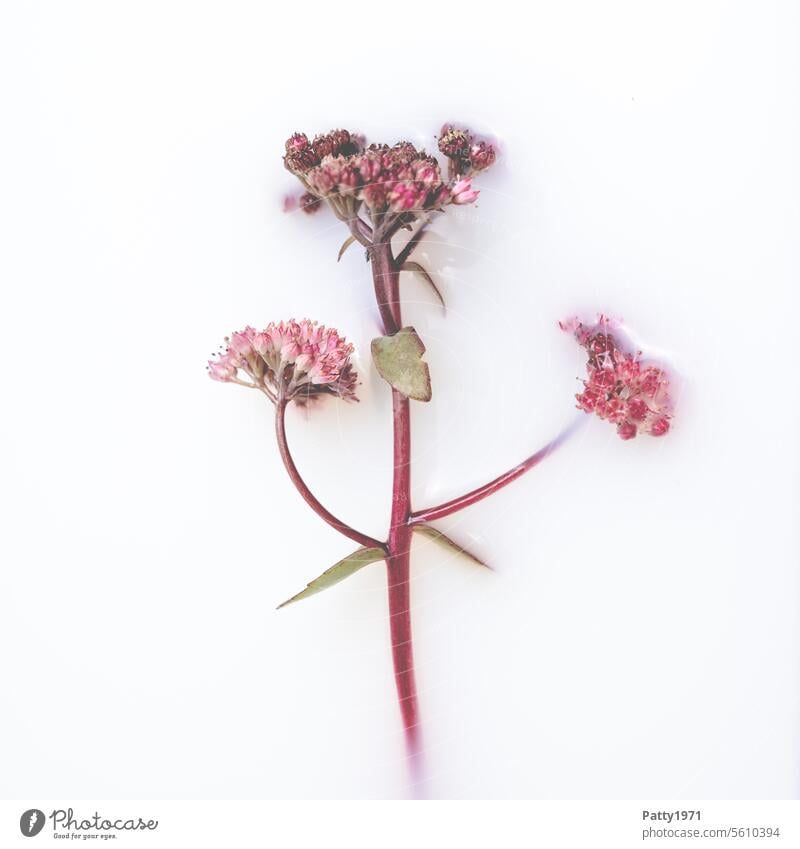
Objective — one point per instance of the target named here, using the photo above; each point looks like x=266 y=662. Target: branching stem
x=302 y=487
x=454 y=505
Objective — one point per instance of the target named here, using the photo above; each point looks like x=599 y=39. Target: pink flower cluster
x=467 y=155
x=288 y=360
x=621 y=388
x=400 y=179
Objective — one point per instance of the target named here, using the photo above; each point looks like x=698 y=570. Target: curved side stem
x=302 y=488
x=476 y=495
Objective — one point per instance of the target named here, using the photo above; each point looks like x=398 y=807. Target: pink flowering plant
x=381 y=194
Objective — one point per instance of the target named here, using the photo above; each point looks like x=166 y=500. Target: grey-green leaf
x=416 y=268
x=360 y=558
x=399 y=362
x=454 y=547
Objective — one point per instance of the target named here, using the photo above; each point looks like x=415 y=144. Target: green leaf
x=450 y=545
x=399 y=362
x=347 y=242
x=416 y=268
x=360 y=558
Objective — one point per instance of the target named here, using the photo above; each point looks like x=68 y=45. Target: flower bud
x=455 y=144
x=482 y=156
x=310 y=204
x=296 y=142
x=462 y=192
x=300 y=156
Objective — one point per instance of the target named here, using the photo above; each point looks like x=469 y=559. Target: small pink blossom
x=292 y=360
x=620 y=388
x=399 y=178
x=462 y=192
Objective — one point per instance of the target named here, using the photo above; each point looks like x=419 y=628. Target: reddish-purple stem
x=387 y=289
x=454 y=505
x=399 y=579
x=302 y=488
x=386 y=278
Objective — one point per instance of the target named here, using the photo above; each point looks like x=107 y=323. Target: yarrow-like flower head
x=401 y=179
x=396 y=179
x=291 y=360
x=620 y=387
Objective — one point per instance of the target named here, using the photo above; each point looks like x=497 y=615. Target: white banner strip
x=401 y=825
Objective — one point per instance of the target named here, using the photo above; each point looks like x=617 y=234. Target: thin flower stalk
x=303 y=489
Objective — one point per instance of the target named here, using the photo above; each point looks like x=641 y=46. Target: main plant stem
x=399 y=578
x=387 y=290
x=386 y=278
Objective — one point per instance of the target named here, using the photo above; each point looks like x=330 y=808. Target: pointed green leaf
x=347 y=242
x=416 y=268
x=399 y=362
x=454 y=547
x=338 y=572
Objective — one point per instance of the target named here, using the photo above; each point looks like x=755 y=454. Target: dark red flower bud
x=300 y=157
x=334 y=143
x=455 y=144
x=323 y=146
x=482 y=156
x=310 y=203
x=296 y=142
